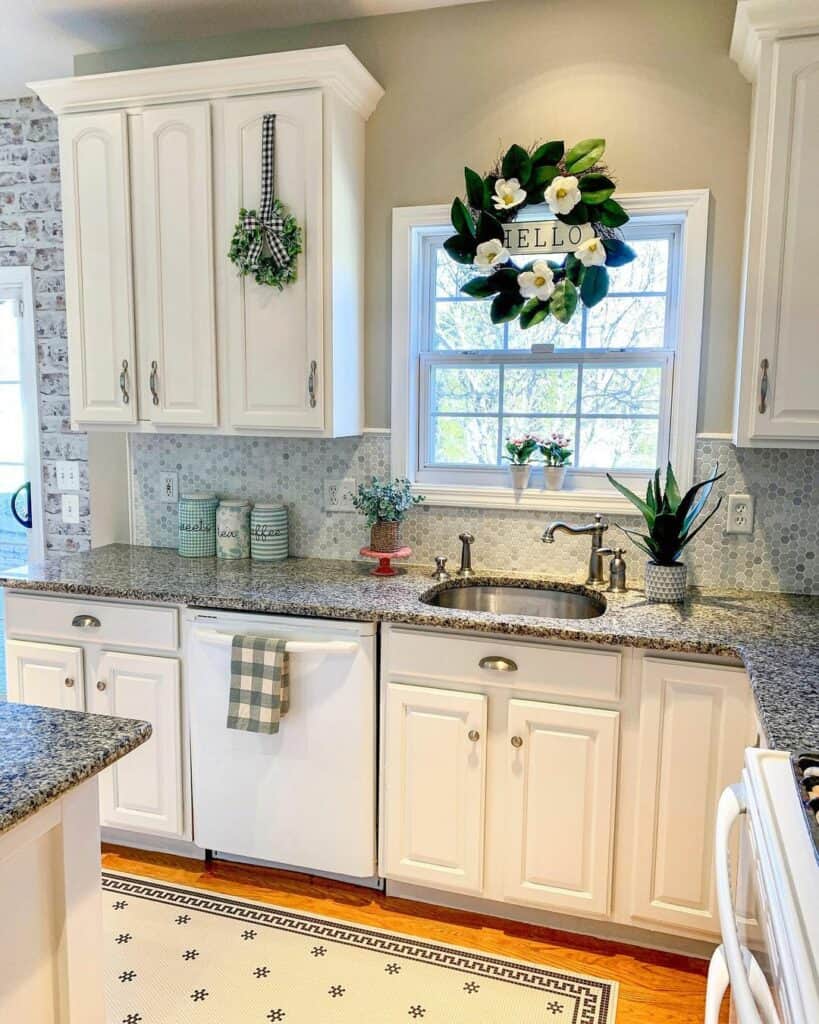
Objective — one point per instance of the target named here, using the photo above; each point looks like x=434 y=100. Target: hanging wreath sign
x=584 y=224
x=266 y=243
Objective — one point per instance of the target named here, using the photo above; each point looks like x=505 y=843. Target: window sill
x=533 y=499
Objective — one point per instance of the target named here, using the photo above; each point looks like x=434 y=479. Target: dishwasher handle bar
x=218 y=639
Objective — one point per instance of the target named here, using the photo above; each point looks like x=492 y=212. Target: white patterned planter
x=665 y=583
x=554 y=477
x=520 y=476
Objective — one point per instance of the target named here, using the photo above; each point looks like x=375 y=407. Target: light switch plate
x=68 y=475
x=169 y=487
x=740 y=514
x=71 y=508
x=338 y=495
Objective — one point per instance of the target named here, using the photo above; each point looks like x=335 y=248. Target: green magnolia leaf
x=517 y=164
x=548 y=153
x=533 y=313
x=648 y=513
x=617 y=252
x=595 y=285
x=573 y=268
x=672 y=491
x=488 y=227
x=476 y=190
x=611 y=214
x=579 y=215
x=595 y=188
x=584 y=155
x=563 y=302
x=462 y=219
x=506 y=306
x=461 y=248
x=481 y=287
x=541 y=178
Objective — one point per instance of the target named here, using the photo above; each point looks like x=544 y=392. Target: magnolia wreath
x=578 y=191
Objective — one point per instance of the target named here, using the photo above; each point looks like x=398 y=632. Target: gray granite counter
x=44 y=752
x=776 y=636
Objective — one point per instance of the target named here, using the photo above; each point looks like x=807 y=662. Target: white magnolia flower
x=537 y=283
x=508 y=193
x=491 y=253
x=563 y=194
x=591 y=253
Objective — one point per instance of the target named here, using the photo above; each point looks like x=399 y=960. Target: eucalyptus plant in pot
x=385 y=505
x=669 y=520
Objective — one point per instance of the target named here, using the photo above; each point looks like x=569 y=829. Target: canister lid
x=234 y=503
x=199 y=496
x=261 y=506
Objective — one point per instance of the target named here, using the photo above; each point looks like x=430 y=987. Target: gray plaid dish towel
x=259 y=683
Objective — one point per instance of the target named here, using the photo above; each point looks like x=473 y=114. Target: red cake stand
x=384 y=568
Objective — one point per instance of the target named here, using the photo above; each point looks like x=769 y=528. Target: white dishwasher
x=305 y=797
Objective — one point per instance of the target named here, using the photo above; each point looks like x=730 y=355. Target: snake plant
x=669 y=516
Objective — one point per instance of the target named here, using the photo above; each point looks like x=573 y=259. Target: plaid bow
x=272 y=225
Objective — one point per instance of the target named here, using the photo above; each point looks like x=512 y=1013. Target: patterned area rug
x=183 y=956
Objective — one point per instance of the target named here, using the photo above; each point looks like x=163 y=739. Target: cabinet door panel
x=174 y=270
x=46 y=674
x=695 y=722
x=271 y=338
x=144 y=790
x=434 y=786
x=99 y=301
x=562 y=771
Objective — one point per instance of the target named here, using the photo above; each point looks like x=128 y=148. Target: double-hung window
x=619 y=379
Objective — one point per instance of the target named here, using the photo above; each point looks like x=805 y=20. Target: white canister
x=268 y=533
x=233 y=529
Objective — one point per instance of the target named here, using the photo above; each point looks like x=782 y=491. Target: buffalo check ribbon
x=259 y=683
x=271 y=225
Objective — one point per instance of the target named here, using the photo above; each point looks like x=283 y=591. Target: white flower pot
x=520 y=476
x=554 y=477
x=665 y=583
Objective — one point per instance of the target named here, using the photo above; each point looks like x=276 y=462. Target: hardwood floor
x=655 y=988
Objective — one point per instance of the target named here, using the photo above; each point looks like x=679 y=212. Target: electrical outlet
x=68 y=475
x=740 y=514
x=338 y=495
x=71 y=508
x=169 y=487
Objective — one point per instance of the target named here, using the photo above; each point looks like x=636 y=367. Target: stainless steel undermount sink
x=509 y=599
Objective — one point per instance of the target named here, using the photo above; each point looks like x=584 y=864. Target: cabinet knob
x=498 y=664
x=517 y=742
x=474 y=735
x=101 y=685
x=69 y=682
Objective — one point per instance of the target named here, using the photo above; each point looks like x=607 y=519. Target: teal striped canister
x=268 y=533
x=233 y=529
x=197 y=525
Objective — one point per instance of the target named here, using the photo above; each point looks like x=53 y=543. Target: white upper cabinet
x=777 y=400
x=156 y=165
x=99 y=302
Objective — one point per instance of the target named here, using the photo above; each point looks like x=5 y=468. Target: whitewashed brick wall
x=31 y=235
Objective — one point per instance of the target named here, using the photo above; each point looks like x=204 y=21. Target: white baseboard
x=155 y=844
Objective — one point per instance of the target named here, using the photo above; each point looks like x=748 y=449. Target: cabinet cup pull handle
x=517 y=742
x=152 y=382
x=123 y=382
x=474 y=735
x=101 y=685
x=69 y=682
x=86 y=621
x=498 y=664
x=763 y=386
x=311 y=383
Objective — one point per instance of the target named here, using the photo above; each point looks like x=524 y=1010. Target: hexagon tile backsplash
x=781 y=554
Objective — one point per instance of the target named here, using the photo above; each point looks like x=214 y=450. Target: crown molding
x=760 y=20
x=330 y=67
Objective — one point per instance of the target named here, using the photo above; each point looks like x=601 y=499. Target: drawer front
x=565 y=672
x=65 y=618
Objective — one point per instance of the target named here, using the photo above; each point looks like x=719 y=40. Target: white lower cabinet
x=435 y=784
x=561 y=777
x=46 y=674
x=143 y=790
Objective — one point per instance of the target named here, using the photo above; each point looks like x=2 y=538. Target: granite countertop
x=776 y=636
x=44 y=752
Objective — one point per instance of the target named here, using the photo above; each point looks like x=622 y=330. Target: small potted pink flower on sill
x=519 y=452
x=556 y=453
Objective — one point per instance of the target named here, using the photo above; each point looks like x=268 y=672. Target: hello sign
x=524 y=238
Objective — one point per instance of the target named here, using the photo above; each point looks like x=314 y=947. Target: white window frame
x=411 y=225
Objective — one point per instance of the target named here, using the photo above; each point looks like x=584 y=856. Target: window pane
x=548 y=332
x=626 y=390
x=647 y=273
x=631 y=444
x=9 y=357
x=11 y=424
x=463 y=439
x=450 y=276
x=465 y=389
x=465 y=325
x=627 y=323
x=540 y=389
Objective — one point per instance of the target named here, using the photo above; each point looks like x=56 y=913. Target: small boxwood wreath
x=578 y=191
x=267 y=269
